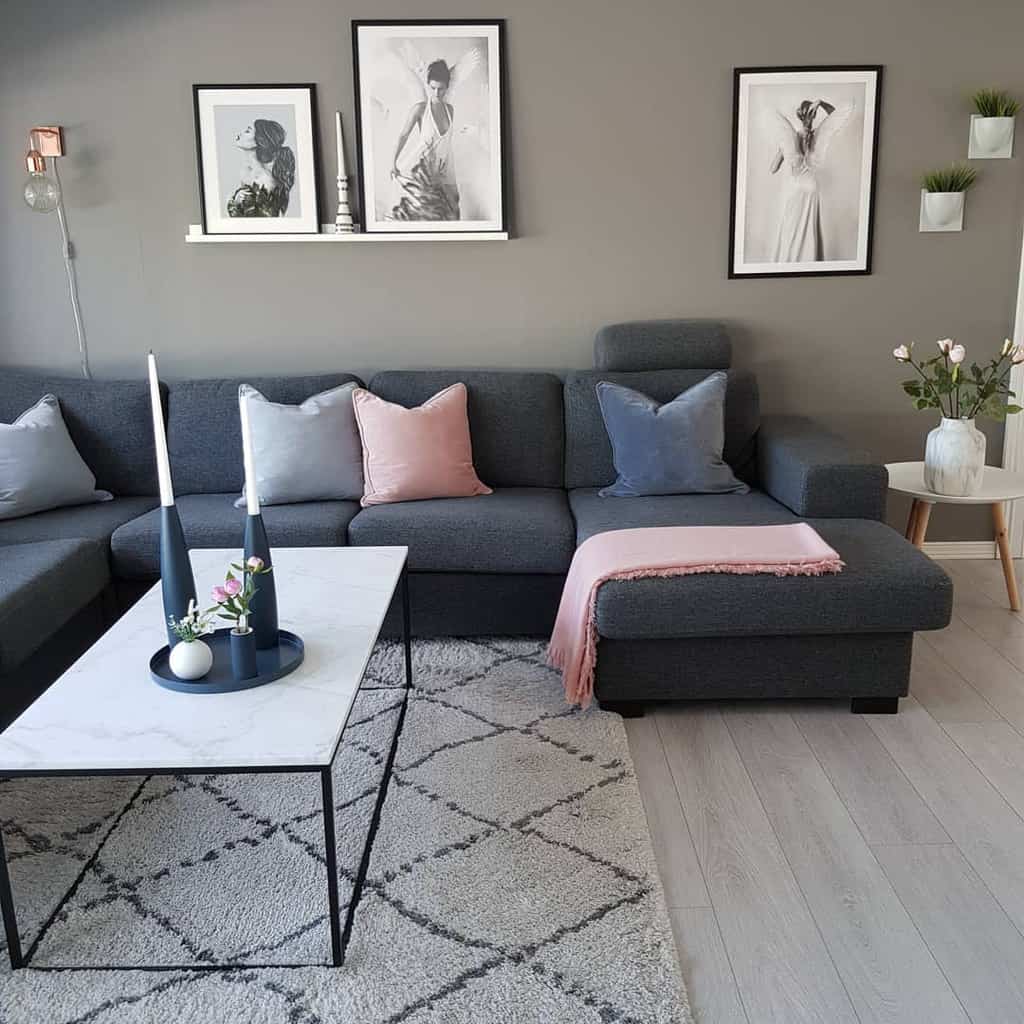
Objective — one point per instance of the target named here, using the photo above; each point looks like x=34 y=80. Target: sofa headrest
x=663 y=345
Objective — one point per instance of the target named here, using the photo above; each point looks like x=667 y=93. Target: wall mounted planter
x=942 y=211
x=991 y=138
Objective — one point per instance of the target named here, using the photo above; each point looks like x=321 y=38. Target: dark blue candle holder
x=263 y=611
x=176 y=581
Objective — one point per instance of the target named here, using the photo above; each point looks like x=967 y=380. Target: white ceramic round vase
x=191 y=659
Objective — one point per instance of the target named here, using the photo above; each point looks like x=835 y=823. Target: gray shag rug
x=511 y=879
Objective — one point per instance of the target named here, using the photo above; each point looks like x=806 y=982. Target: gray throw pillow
x=307 y=452
x=675 y=448
x=40 y=467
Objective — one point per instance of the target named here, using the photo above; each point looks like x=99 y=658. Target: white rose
x=945 y=344
x=901 y=352
x=957 y=353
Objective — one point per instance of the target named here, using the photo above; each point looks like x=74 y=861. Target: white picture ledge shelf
x=195 y=234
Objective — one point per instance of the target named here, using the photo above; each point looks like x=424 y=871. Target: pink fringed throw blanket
x=791 y=550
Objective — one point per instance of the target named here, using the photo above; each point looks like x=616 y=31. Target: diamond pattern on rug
x=512 y=877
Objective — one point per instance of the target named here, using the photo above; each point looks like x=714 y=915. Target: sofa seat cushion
x=513 y=530
x=212 y=521
x=42 y=586
x=887 y=586
x=93 y=522
x=595 y=514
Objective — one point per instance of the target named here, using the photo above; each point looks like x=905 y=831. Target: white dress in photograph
x=803 y=157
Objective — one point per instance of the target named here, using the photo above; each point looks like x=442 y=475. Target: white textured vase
x=954 y=458
x=191 y=660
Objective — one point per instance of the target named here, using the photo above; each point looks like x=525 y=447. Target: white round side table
x=998 y=487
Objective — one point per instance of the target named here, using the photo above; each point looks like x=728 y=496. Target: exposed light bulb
x=41 y=192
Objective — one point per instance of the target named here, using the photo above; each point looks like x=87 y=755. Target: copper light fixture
x=42 y=193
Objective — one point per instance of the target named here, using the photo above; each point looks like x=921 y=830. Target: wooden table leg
x=1003 y=542
x=912 y=520
x=924 y=511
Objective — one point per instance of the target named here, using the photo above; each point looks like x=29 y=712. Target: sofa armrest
x=816 y=473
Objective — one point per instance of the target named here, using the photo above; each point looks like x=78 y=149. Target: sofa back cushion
x=663 y=345
x=588 y=452
x=204 y=433
x=515 y=419
x=110 y=422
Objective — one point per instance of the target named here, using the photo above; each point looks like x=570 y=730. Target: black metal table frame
x=339 y=935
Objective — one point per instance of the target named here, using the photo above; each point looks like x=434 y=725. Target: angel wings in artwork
x=422 y=160
x=802 y=150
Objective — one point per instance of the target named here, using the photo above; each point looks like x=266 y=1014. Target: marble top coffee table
x=105 y=716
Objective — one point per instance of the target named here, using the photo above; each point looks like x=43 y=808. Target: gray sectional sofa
x=495 y=564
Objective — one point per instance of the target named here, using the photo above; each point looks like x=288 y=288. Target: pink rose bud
x=945 y=344
x=254 y=564
x=232 y=587
x=219 y=594
x=957 y=353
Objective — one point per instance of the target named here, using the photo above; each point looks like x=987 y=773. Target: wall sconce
x=43 y=194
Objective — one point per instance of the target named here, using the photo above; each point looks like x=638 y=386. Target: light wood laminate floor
x=827 y=867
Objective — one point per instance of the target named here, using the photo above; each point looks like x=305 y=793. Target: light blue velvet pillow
x=675 y=448
x=40 y=467
x=307 y=452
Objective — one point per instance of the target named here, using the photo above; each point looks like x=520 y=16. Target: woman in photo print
x=802 y=152
x=268 y=172
x=423 y=160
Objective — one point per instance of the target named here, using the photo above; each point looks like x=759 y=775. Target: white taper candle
x=163 y=462
x=252 y=496
x=341 y=146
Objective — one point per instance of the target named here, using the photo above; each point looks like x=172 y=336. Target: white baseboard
x=961 y=549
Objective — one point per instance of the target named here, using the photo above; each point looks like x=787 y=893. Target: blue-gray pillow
x=307 y=452
x=675 y=448
x=40 y=467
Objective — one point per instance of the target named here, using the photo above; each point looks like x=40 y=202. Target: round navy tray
x=271 y=664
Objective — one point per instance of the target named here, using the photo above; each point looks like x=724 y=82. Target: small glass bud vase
x=191 y=659
x=243 y=653
x=954 y=458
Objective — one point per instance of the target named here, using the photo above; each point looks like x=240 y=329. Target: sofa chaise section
x=721 y=636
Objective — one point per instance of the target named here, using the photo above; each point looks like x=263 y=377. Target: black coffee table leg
x=330 y=850
x=406 y=629
x=7 y=907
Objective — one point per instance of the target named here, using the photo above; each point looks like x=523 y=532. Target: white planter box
x=991 y=138
x=942 y=211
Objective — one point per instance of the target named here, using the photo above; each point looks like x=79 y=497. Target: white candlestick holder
x=343 y=224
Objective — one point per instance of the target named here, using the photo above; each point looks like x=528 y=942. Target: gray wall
x=619 y=148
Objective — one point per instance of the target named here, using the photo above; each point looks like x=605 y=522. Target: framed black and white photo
x=805 y=143
x=257 y=154
x=430 y=120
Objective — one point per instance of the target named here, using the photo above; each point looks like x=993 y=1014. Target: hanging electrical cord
x=69 y=266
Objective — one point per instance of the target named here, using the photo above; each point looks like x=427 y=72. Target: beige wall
x=619 y=147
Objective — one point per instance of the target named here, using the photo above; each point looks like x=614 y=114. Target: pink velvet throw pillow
x=409 y=454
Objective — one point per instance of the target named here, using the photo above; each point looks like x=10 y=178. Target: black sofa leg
x=626 y=708
x=875 y=705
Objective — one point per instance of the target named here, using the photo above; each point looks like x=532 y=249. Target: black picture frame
x=366 y=199
x=871 y=133
x=314 y=182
